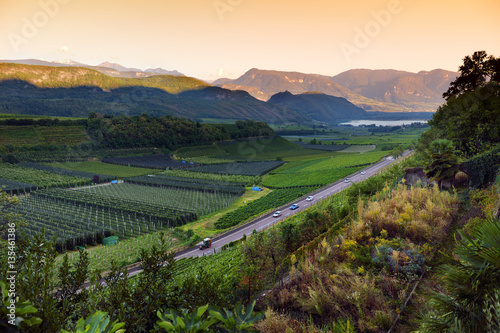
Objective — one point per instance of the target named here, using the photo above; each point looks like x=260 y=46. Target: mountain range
x=76 y=91
x=108 y=68
x=372 y=90
x=67 y=89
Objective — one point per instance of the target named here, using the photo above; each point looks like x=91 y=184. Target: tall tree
x=474 y=72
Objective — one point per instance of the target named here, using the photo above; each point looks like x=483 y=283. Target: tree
x=397 y=152
x=474 y=72
x=471 y=120
x=444 y=162
x=95 y=179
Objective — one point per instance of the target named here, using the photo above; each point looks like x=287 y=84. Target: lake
x=382 y=122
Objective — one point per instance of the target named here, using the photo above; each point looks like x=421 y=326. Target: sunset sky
x=224 y=38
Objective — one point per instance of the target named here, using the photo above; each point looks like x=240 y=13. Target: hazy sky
x=212 y=38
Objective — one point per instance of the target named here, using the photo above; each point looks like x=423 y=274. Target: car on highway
x=363 y=172
x=347 y=180
x=277 y=213
x=294 y=206
x=309 y=198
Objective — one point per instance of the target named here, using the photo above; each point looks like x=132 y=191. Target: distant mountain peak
x=65 y=62
x=118 y=67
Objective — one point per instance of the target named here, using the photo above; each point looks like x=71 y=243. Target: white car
x=363 y=172
x=309 y=198
x=277 y=214
x=347 y=180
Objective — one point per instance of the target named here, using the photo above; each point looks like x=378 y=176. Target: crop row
x=187 y=183
x=247 y=168
x=313 y=178
x=15 y=187
x=73 y=223
x=38 y=178
x=176 y=198
x=67 y=172
x=79 y=153
x=247 y=180
x=273 y=200
x=157 y=161
x=125 y=205
x=339 y=160
x=326 y=147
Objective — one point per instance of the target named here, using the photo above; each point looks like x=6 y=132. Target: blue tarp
x=256 y=188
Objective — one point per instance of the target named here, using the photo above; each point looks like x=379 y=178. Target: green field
x=198 y=201
x=320 y=171
x=32 y=135
x=104 y=168
x=38 y=177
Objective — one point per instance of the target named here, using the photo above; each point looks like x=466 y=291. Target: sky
x=209 y=39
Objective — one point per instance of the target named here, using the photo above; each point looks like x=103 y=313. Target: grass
x=104 y=168
x=205 y=226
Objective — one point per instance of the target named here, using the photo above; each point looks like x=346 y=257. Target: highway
x=268 y=220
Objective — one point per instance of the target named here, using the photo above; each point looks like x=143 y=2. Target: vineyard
x=15 y=187
x=273 y=200
x=120 y=171
x=194 y=184
x=66 y=172
x=247 y=180
x=318 y=172
x=126 y=252
x=78 y=153
x=247 y=168
x=176 y=198
x=38 y=178
x=32 y=135
x=72 y=222
x=327 y=147
x=157 y=161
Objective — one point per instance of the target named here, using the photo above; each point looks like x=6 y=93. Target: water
x=382 y=122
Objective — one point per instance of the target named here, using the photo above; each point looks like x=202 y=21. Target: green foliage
x=189 y=183
x=471 y=284
x=168 y=131
x=7 y=217
x=483 y=169
x=471 y=120
x=23 y=312
x=273 y=200
x=319 y=171
x=97 y=323
x=185 y=322
x=474 y=72
x=444 y=162
x=241 y=320
x=39 y=178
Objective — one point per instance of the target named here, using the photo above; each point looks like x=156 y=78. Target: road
x=268 y=220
